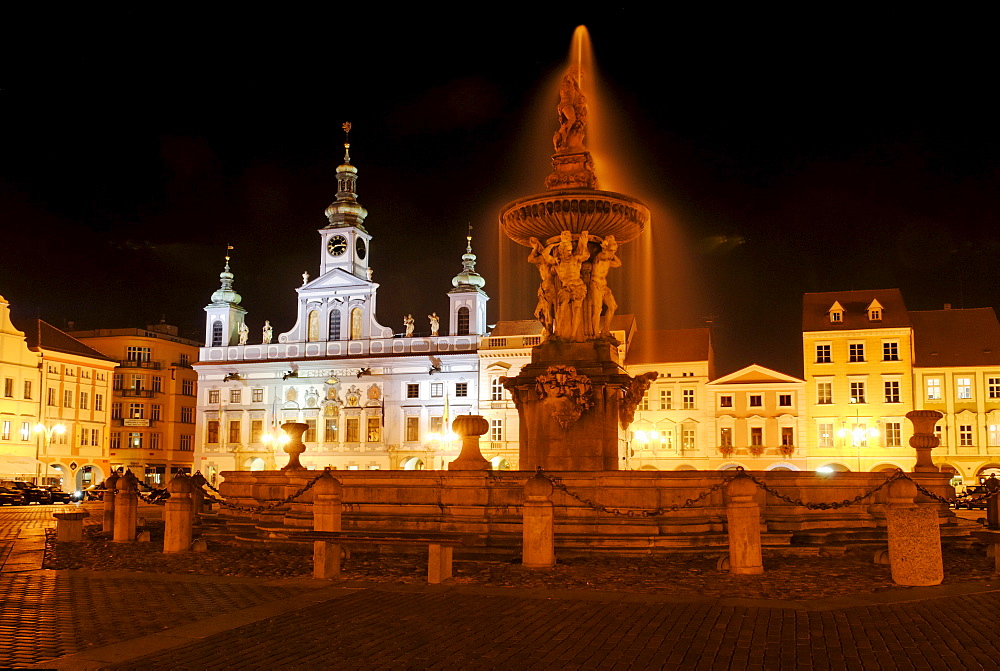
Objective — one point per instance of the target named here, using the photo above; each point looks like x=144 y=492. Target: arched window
x=217 y=333
x=313 y=325
x=334 y=324
x=355 y=323
x=463 y=321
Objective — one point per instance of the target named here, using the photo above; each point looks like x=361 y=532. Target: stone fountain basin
x=601 y=213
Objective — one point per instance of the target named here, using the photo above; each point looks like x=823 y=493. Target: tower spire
x=346 y=211
x=225 y=293
x=468 y=278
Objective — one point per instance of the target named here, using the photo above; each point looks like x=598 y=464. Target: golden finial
x=468 y=239
x=347 y=141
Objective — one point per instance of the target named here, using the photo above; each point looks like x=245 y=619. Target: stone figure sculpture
x=572 y=108
x=598 y=292
x=244 y=333
x=267 y=332
x=435 y=323
x=547 y=288
x=408 y=325
x=572 y=290
x=305 y=278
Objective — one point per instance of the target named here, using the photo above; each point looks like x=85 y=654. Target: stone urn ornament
x=294 y=447
x=923 y=439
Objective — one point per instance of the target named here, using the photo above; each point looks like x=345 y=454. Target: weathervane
x=347 y=141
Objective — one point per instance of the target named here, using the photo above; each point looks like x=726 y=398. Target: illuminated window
x=860 y=434
x=258 y=396
x=824 y=393
x=214 y=397
x=725 y=437
x=856 y=352
x=756 y=436
x=412 y=429
x=437 y=389
x=858 y=392
x=725 y=401
x=413 y=391
x=994 y=435
x=496 y=430
x=933 y=389
x=256 y=430
x=26 y=431
x=136 y=410
x=836 y=316
x=892 y=391
x=963 y=387
x=893 y=434
x=688 y=399
x=332 y=430
x=666 y=399
x=825 y=435
x=135 y=440
x=688 y=438
x=8 y=387
x=310 y=434
x=890 y=350
x=5 y=430
x=496 y=389
x=436 y=423
x=374 y=429
x=823 y=353
x=756 y=400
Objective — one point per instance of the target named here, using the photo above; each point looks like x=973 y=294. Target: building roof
x=755 y=374
x=521 y=327
x=42 y=335
x=670 y=346
x=816 y=310
x=956 y=337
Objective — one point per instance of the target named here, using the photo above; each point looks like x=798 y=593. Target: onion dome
x=346 y=211
x=225 y=293
x=468 y=278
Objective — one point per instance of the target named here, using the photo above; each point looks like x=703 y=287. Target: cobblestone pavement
x=109 y=619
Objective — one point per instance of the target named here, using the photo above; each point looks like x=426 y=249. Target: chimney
x=947 y=306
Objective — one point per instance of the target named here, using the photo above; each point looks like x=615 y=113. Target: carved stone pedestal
x=571 y=400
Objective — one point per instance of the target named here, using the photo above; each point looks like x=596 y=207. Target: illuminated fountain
x=574 y=398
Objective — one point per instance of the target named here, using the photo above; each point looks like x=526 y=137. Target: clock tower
x=345 y=244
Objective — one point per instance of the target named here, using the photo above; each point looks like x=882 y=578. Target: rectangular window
x=496 y=389
x=95 y=436
x=688 y=439
x=893 y=434
x=187 y=443
x=413 y=391
x=666 y=399
x=825 y=435
x=185 y=360
x=353 y=426
x=688 y=397
x=461 y=389
x=137 y=354
x=965 y=435
x=725 y=437
x=154 y=441
x=725 y=401
x=157 y=384
x=412 y=429
x=213 y=431
x=933 y=389
x=67 y=398
x=26 y=431
x=824 y=393
x=235 y=395
x=374 y=429
x=84 y=436
x=187 y=387
x=5 y=430
x=51 y=397
x=756 y=400
x=135 y=440
x=437 y=389
x=187 y=415
x=787 y=436
x=785 y=400
x=115 y=442
x=823 y=353
x=214 y=397
x=84 y=400
x=8 y=387
x=939 y=434
x=136 y=410
x=993 y=385
x=27 y=390
x=756 y=436
x=234 y=431
x=99 y=402
x=994 y=435
x=331 y=430
x=116 y=383
x=858 y=392
x=137 y=382
x=856 y=352
x=116 y=411
x=644 y=401
x=963 y=387
x=258 y=395
x=892 y=391
x=156 y=412
x=496 y=430
x=859 y=433
x=256 y=430
x=890 y=350
x=310 y=435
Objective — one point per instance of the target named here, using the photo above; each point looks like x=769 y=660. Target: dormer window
x=875 y=311
x=836 y=313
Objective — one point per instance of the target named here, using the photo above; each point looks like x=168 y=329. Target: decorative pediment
x=874 y=311
x=338 y=278
x=753 y=374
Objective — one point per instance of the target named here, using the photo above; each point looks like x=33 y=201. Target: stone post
x=178 y=512
x=126 y=508
x=743 y=522
x=923 y=439
x=198 y=483
x=470 y=427
x=914 y=538
x=538 y=548
x=992 y=505
x=294 y=447
x=69 y=526
x=110 y=485
x=326 y=506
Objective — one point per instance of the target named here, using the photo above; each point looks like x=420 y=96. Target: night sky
x=781 y=153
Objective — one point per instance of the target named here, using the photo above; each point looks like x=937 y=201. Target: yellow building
x=19 y=403
x=154 y=399
x=857 y=352
x=74 y=393
x=957 y=372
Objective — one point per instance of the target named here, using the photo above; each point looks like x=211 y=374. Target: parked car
x=971 y=492
x=32 y=493
x=58 y=495
x=91 y=493
x=11 y=497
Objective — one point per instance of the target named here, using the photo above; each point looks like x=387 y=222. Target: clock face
x=336 y=245
x=360 y=247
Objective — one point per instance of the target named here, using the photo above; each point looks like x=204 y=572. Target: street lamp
x=279 y=440
x=40 y=429
x=443 y=440
x=859 y=436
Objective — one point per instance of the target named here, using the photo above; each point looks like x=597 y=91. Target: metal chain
x=826 y=506
x=557 y=484
x=276 y=504
x=950 y=501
